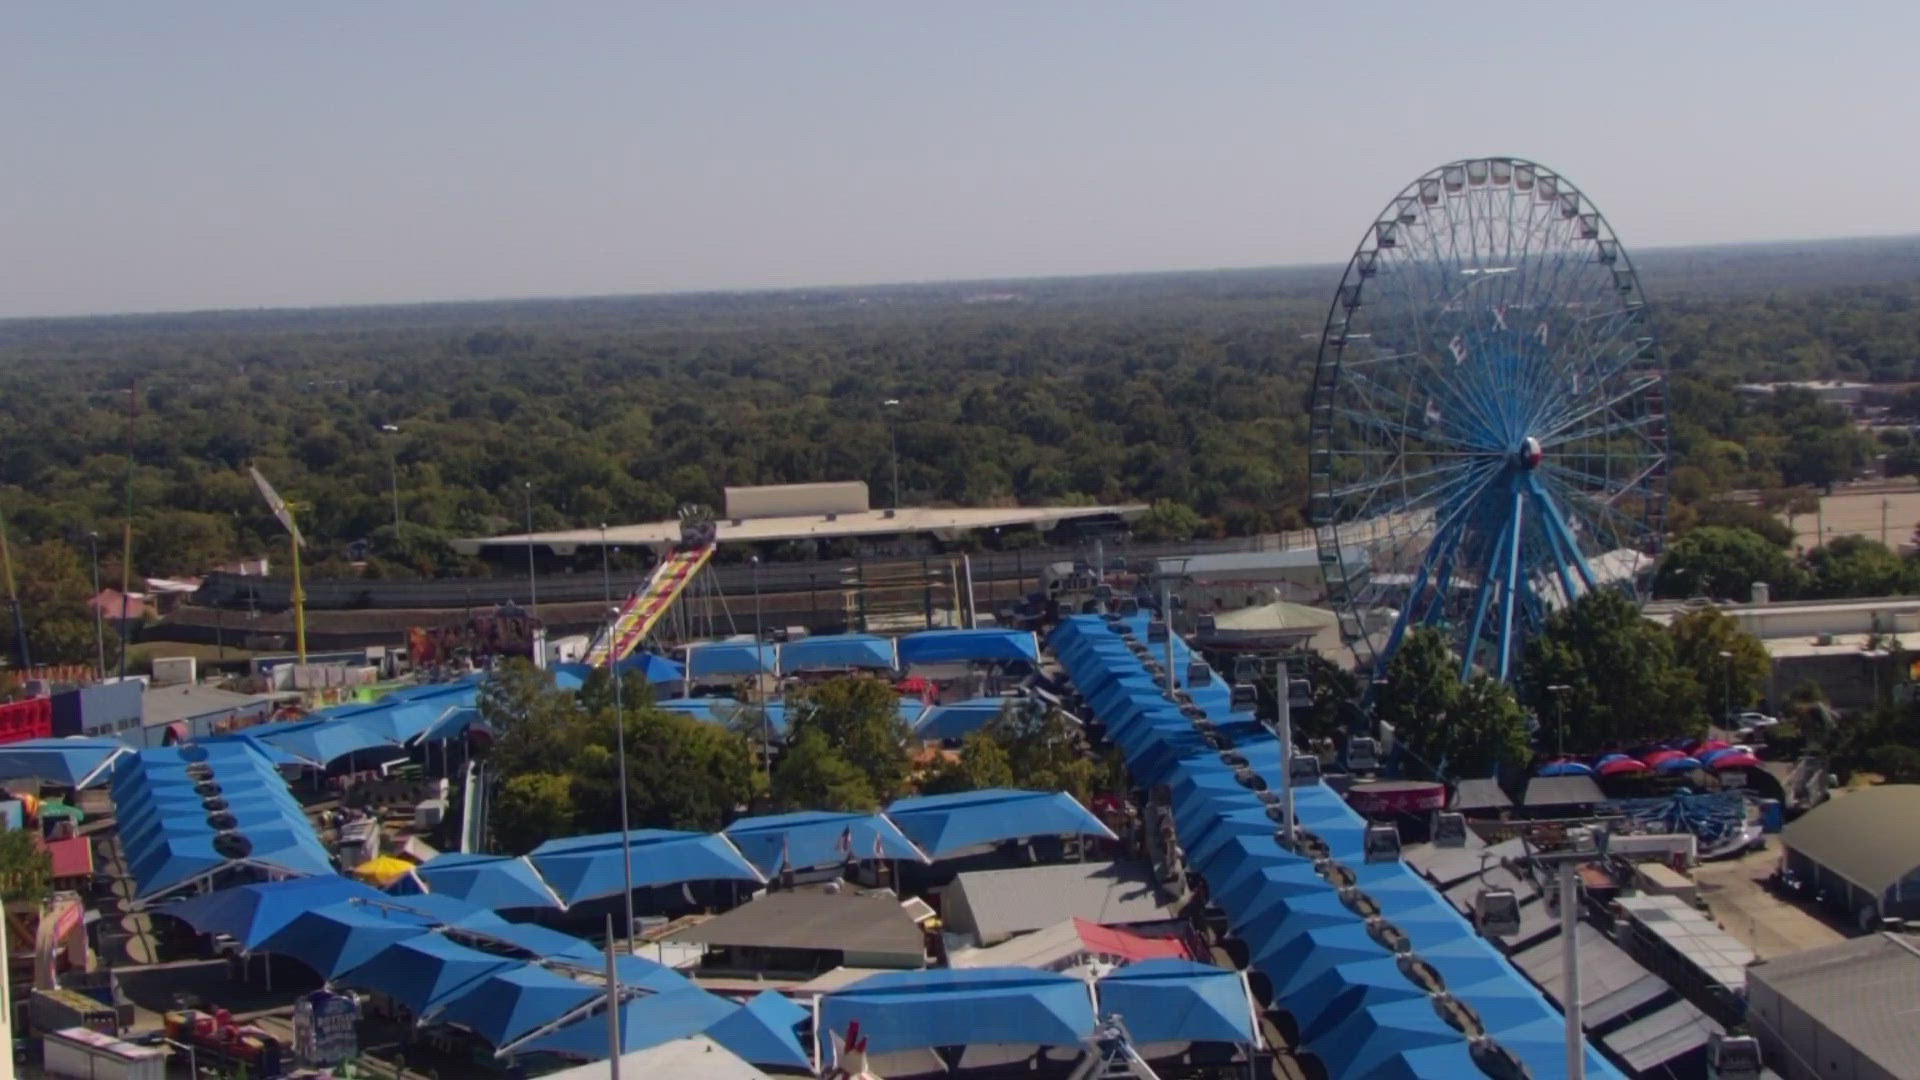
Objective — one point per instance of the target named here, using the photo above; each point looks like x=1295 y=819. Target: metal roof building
x=1862 y=846
x=812 y=930
x=994 y=905
x=1841 y=1012
x=1557 y=791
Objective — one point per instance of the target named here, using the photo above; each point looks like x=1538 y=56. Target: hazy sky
x=200 y=155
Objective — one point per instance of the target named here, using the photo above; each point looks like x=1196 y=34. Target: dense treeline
x=1188 y=388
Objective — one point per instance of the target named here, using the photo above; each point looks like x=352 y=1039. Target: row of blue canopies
x=1360 y=987
x=522 y=988
x=746 y=657
x=190 y=813
x=561 y=873
x=527 y=989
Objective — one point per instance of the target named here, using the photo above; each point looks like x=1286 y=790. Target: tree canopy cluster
x=1184 y=390
x=1600 y=677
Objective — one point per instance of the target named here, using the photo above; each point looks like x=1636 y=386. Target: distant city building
x=1830 y=391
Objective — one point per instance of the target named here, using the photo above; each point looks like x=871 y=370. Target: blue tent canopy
x=907 y=1010
x=443 y=910
x=1172 y=1000
x=837 y=651
x=540 y=942
x=491 y=881
x=1367 y=1036
x=1321 y=1004
x=424 y=971
x=1294 y=963
x=764 y=1032
x=961 y=718
x=977 y=646
x=644 y=1021
x=726 y=710
x=452 y=724
x=338 y=937
x=76 y=762
x=322 y=742
x=169 y=843
x=505 y=1004
x=727 y=659
x=942 y=824
x=654 y=668
x=587 y=867
x=250 y=914
x=813 y=838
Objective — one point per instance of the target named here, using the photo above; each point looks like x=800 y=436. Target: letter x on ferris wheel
x=1489 y=423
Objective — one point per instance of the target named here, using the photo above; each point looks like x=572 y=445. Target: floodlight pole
x=393 y=476
x=1570 y=960
x=619 y=736
x=99 y=619
x=613 y=1005
x=893 y=446
x=1283 y=731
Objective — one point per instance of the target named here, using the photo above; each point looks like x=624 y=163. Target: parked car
x=1753 y=720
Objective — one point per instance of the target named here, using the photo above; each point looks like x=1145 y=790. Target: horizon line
x=774 y=290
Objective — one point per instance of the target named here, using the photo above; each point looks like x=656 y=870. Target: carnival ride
x=645 y=607
x=1488 y=407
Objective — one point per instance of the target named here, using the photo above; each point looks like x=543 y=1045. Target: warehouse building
x=1844 y=1012
x=1862 y=851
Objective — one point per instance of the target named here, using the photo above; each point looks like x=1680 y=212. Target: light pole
x=99 y=620
x=393 y=475
x=1559 y=717
x=619 y=733
x=1727 y=717
x=893 y=445
x=533 y=585
x=760 y=670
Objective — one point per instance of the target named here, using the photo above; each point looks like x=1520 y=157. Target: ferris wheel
x=1489 y=424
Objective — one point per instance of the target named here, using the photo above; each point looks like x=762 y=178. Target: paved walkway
x=1771 y=925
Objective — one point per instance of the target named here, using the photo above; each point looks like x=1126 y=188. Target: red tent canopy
x=1621 y=766
x=1109 y=941
x=1735 y=761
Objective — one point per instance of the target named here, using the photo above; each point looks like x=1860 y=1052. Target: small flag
x=785 y=860
x=845 y=843
x=1433 y=412
x=879 y=850
x=1458 y=347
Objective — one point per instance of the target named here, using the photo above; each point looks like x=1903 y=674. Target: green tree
x=1851 y=566
x=1622 y=683
x=532 y=808
x=26 y=870
x=54 y=586
x=982 y=764
x=1046 y=751
x=1756 y=519
x=1730 y=665
x=858 y=717
x=1723 y=563
x=1168 y=520
x=811 y=776
x=682 y=773
x=1448 y=728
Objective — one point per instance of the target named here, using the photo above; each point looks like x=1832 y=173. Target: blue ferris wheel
x=1489 y=424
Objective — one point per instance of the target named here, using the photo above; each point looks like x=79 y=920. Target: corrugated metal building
x=1849 y=1011
x=1862 y=849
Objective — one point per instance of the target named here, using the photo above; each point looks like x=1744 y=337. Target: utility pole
x=1727 y=717
x=619 y=736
